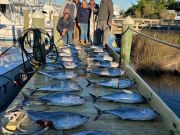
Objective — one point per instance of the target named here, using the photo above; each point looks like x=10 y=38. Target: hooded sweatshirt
x=106 y=10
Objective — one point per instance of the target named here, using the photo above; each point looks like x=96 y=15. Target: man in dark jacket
x=105 y=16
x=76 y=27
x=65 y=27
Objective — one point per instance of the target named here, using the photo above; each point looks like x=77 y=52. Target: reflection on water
x=167 y=86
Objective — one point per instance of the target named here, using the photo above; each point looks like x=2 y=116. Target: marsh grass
x=149 y=55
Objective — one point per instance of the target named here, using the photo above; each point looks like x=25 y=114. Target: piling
x=38 y=21
x=26 y=19
x=56 y=33
x=126 y=40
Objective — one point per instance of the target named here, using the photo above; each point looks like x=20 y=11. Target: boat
x=13 y=75
x=12 y=21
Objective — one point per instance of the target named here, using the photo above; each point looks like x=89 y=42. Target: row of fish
x=59 y=94
x=123 y=96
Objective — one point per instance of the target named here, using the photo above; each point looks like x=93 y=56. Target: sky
x=124 y=4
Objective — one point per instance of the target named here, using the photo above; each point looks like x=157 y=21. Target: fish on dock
x=59 y=120
x=68 y=64
x=109 y=72
x=100 y=58
x=135 y=114
x=63 y=54
x=68 y=50
x=96 y=54
x=55 y=65
x=61 y=75
x=62 y=86
x=113 y=83
x=69 y=59
x=58 y=99
x=91 y=132
x=102 y=64
x=124 y=96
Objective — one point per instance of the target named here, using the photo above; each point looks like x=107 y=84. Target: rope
x=21 y=40
x=157 y=40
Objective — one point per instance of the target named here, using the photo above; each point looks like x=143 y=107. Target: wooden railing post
x=56 y=33
x=126 y=40
x=38 y=21
x=26 y=19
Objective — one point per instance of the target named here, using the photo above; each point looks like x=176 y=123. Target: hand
x=63 y=33
x=65 y=30
x=79 y=24
x=109 y=22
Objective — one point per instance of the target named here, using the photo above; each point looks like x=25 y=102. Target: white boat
x=12 y=21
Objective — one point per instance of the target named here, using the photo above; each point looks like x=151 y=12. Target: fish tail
x=32 y=91
x=26 y=98
x=89 y=83
x=94 y=97
x=99 y=113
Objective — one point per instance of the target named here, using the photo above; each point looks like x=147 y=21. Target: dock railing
x=141 y=23
x=129 y=26
x=171 y=121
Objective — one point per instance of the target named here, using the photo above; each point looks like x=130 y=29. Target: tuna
x=124 y=96
x=100 y=58
x=69 y=58
x=58 y=120
x=62 y=86
x=59 y=99
x=61 y=75
x=63 y=54
x=103 y=64
x=68 y=50
x=109 y=72
x=54 y=65
x=92 y=132
x=114 y=83
x=68 y=64
x=136 y=114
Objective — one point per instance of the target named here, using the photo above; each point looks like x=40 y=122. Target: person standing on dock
x=76 y=27
x=83 y=20
x=72 y=7
x=105 y=15
x=65 y=27
x=93 y=18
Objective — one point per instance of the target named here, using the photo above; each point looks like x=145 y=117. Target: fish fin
x=89 y=83
x=99 y=113
x=94 y=97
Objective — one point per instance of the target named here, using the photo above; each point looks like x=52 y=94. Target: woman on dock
x=83 y=20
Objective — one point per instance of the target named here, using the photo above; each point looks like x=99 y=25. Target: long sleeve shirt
x=106 y=10
x=64 y=24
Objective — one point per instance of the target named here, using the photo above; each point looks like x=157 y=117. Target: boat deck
x=105 y=123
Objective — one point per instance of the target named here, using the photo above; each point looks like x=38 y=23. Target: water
x=167 y=86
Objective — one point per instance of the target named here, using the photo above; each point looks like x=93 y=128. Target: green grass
x=149 y=55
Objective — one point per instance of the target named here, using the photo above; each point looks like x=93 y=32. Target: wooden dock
x=167 y=122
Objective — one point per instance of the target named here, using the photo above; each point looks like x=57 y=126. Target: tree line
x=154 y=9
